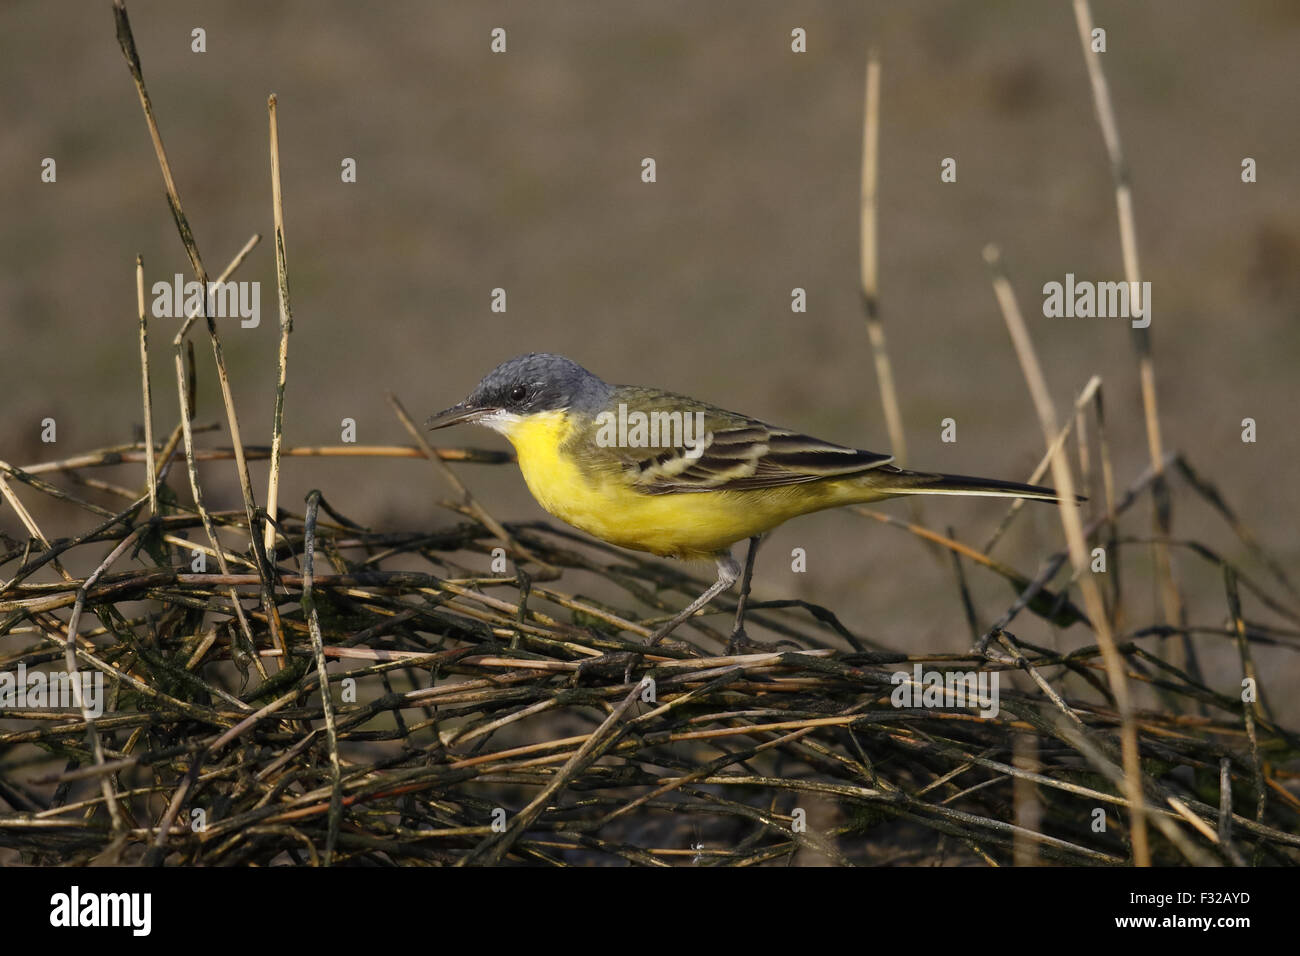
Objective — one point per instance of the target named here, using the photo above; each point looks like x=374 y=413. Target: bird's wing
x=735 y=453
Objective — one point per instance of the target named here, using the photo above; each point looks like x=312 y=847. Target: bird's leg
x=738 y=636
x=728 y=571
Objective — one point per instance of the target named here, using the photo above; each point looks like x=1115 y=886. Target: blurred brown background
x=523 y=171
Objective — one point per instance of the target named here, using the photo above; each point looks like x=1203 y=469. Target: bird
x=654 y=471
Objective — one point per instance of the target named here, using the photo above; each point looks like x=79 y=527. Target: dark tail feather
x=900 y=482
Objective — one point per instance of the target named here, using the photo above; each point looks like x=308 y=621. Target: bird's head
x=527 y=385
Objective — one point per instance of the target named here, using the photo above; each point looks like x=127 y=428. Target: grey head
x=536 y=382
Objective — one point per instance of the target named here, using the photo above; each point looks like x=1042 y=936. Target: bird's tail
x=888 y=481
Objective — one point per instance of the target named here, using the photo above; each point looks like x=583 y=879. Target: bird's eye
x=517 y=393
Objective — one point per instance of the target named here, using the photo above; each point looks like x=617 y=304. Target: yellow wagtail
x=653 y=471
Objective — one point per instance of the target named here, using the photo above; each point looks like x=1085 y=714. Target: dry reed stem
x=1064 y=481
x=869 y=272
x=132 y=454
x=286 y=327
x=146 y=392
x=322 y=673
x=1105 y=110
x=869 y=267
x=26 y=518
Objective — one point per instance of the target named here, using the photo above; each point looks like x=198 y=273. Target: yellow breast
x=691 y=526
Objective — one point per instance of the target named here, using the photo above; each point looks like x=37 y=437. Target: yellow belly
x=691 y=526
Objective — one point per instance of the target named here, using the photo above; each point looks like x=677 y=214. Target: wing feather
x=723 y=451
x=749 y=457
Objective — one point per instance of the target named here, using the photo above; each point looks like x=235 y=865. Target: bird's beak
x=458 y=413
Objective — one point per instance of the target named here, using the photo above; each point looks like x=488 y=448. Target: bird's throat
x=552 y=477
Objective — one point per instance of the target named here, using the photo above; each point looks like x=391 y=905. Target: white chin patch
x=499 y=421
